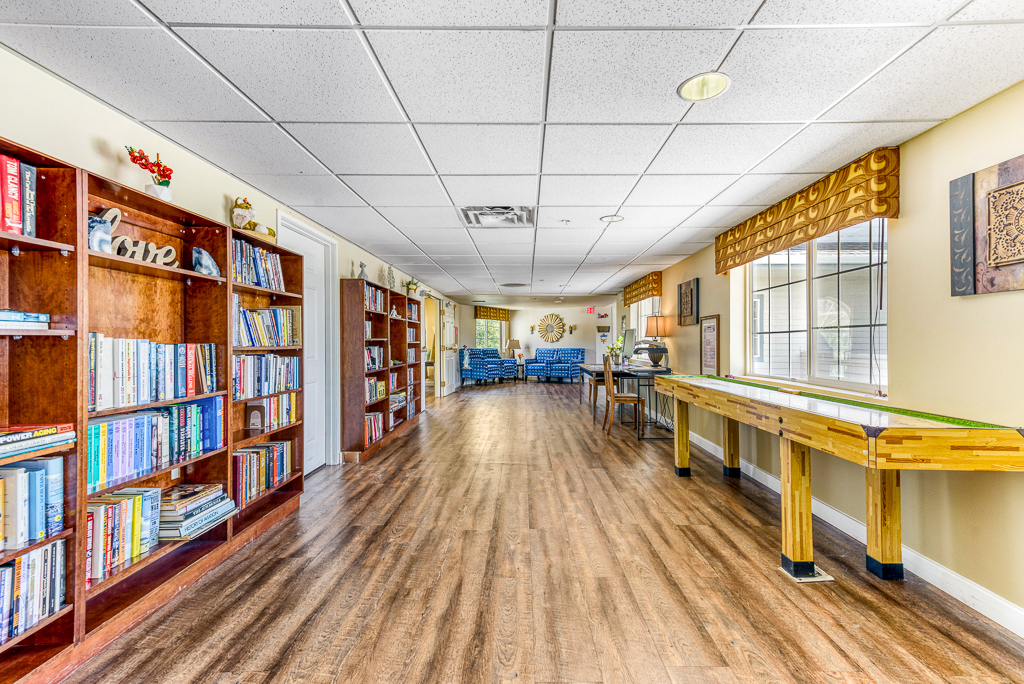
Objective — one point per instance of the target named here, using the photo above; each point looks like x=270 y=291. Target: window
x=818 y=310
x=488 y=334
x=638 y=318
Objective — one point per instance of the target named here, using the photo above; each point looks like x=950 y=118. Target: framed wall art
x=688 y=304
x=709 y=339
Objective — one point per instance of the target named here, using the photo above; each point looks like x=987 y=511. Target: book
x=183 y=497
x=190 y=370
x=16 y=494
x=28 y=325
x=104 y=373
x=11 y=315
x=29 y=209
x=10 y=195
x=17 y=433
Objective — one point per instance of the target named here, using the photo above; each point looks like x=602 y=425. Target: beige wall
x=954 y=356
x=585 y=336
x=56 y=119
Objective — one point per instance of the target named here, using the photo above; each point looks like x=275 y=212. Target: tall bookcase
x=374 y=317
x=45 y=375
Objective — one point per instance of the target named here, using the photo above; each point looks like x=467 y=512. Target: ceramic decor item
x=161 y=185
x=243 y=217
x=202 y=262
x=362 y=271
x=99 y=235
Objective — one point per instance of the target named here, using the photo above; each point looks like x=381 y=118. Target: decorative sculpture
x=243 y=217
x=202 y=262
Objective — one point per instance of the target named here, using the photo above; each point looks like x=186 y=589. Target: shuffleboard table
x=883 y=441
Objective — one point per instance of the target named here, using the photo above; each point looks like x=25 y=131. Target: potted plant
x=412 y=286
x=161 y=185
x=615 y=350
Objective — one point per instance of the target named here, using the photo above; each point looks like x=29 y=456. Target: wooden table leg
x=797 y=539
x=731 y=447
x=885 y=552
x=594 y=388
x=682 y=437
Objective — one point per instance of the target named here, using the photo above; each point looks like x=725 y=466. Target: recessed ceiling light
x=703 y=86
x=612 y=218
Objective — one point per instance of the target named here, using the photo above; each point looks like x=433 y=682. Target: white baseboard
x=986 y=602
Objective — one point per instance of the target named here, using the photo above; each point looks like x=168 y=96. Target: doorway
x=430 y=344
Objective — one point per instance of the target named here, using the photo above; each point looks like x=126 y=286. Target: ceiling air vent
x=513 y=284
x=497 y=217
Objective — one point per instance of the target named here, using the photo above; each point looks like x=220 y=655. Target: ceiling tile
x=824 y=147
x=654 y=12
x=720 y=217
x=630 y=236
x=413 y=263
x=176 y=86
x=423 y=217
x=845 y=12
x=299 y=75
x=313 y=191
x=761 y=189
x=685 y=235
x=607 y=259
x=451 y=13
x=580 y=191
x=484 y=148
x=991 y=10
x=399 y=191
x=563 y=250
x=502 y=248
x=501 y=235
x=617 y=249
x=650 y=217
x=448 y=248
x=363 y=148
x=677 y=243
x=478 y=76
x=979 y=60
x=579 y=218
x=498 y=259
x=627 y=76
x=587 y=235
x=242 y=148
x=673 y=191
x=358 y=222
x=601 y=149
x=73 y=13
x=307 y=12
x=545 y=261
x=459 y=260
x=492 y=190
x=764 y=64
x=387 y=250
x=711 y=149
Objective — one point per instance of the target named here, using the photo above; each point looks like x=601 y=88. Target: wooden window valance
x=492 y=314
x=646 y=287
x=860 y=191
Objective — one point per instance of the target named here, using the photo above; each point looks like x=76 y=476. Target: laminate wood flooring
x=505 y=538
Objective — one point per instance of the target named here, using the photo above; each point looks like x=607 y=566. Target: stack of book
x=375 y=389
x=374 y=424
x=32 y=588
x=130 y=445
x=412 y=409
x=410 y=335
x=130 y=372
x=392 y=381
x=32 y=492
x=413 y=309
x=276 y=326
x=398 y=400
x=18 y=186
x=374 y=299
x=120 y=527
x=368 y=329
x=374 y=358
x=24 y=439
x=412 y=376
x=23 y=320
x=278 y=411
x=188 y=511
x=261 y=468
x=411 y=355
x=257 y=375
x=257 y=266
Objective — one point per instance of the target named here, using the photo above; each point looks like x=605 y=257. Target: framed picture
x=689 y=311
x=709 y=339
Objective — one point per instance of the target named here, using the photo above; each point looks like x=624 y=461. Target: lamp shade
x=657 y=326
x=512 y=344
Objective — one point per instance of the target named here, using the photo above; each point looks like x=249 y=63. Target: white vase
x=161 y=191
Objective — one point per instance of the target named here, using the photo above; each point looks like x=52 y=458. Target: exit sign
x=591 y=309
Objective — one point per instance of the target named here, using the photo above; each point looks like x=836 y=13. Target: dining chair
x=613 y=397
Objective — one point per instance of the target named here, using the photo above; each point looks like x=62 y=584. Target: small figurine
x=362 y=271
x=391 y=278
x=243 y=217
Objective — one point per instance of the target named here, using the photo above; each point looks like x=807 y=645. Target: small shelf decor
x=161 y=186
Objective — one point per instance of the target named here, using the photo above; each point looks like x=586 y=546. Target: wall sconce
x=531 y=329
x=571 y=328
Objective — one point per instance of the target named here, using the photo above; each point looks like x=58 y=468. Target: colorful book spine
x=29 y=208
x=10 y=195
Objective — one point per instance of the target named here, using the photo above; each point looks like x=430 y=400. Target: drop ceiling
x=379 y=118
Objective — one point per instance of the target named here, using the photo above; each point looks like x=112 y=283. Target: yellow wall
x=954 y=356
x=57 y=119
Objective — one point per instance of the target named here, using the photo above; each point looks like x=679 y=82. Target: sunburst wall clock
x=551 y=328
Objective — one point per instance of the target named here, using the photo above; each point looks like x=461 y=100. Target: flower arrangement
x=413 y=284
x=615 y=349
x=520 y=356
x=161 y=172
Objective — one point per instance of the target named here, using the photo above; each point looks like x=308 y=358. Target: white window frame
x=878 y=389
x=501 y=335
x=638 y=315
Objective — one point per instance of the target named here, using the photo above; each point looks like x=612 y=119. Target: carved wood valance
x=639 y=290
x=491 y=313
x=860 y=191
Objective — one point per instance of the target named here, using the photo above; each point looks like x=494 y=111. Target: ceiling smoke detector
x=497 y=217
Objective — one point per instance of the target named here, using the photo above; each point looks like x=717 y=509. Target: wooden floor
x=506 y=539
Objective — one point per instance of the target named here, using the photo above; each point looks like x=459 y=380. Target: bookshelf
x=86 y=291
x=367 y=323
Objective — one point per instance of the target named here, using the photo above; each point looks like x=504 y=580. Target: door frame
x=332 y=298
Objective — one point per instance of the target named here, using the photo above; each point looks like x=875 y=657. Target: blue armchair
x=566 y=364
x=538 y=365
x=479 y=367
x=506 y=368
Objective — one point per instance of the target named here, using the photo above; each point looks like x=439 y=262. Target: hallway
x=505 y=538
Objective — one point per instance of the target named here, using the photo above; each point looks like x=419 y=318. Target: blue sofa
x=485 y=364
x=555 y=363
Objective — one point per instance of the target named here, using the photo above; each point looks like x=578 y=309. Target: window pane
x=878 y=244
x=827 y=354
x=855 y=294
x=779 y=354
x=826 y=254
x=758 y=313
x=481 y=334
x=879 y=315
x=759 y=354
x=779 y=267
x=854 y=246
x=880 y=363
x=798 y=355
x=798 y=262
x=798 y=307
x=828 y=311
x=759 y=274
x=778 y=309
x=856 y=342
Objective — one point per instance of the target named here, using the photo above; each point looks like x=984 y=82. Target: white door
x=452 y=372
x=316 y=341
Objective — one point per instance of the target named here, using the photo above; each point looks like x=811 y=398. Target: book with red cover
x=190 y=370
x=10 y=194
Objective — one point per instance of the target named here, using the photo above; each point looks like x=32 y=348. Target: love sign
x=141 y=250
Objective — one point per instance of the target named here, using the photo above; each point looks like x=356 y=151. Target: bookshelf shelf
x=52 y=332
x=265 y=396
x=258 y=509
x=264 y=350
x=119 y=263
x=25 y=243
x=255 y=289
x=246 y=437
x=153 y=404
x=130 y=567
x=127 y=482
x=36 y=629
x=269 y=492
x=38 y=453
x=376 y=401
x=23 y=659
x=6 y=556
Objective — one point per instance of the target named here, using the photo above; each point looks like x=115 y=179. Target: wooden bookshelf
x=391 y=333
x=86 y=291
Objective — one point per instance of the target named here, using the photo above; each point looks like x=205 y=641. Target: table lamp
x=657 y=326
x=511 y=346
